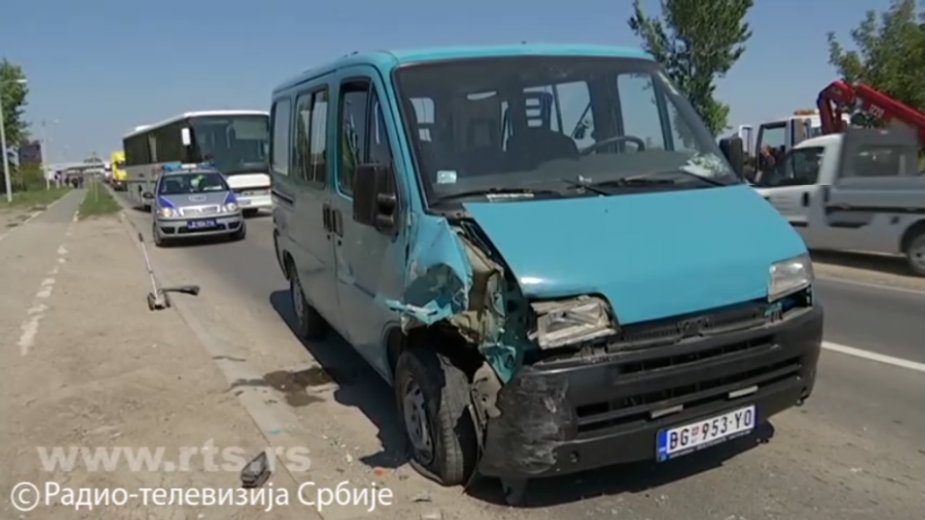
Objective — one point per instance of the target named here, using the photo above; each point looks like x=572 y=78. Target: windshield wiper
x=513 y=193
x=590 y=186
x=649 y=176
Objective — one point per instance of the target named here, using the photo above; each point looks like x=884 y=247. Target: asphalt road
x=855 y=450
x=885 y=320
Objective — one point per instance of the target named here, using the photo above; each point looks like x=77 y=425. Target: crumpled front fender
x=439 y=276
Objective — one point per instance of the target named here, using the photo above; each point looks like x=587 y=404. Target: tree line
x=698 y=42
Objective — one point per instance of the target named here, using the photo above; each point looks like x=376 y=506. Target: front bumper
x=180 y=227
x=559 y=418
x=255 y=201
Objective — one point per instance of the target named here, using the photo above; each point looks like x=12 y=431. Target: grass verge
x=97 y=202
x=36 y=198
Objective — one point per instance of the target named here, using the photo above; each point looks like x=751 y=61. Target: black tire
x=915 y=254
x=240 y=233
x=445 y=391
x=159 y=240
x=309 y=324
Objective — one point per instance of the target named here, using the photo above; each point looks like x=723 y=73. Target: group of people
x=74 y=181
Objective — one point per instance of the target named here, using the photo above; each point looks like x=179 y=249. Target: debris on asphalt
x=256 y=472
x=432 y=515
x=423 y=496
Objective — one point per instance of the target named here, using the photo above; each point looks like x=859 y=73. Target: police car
x=194 y=201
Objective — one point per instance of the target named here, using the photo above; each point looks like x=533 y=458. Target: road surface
x=855 y=450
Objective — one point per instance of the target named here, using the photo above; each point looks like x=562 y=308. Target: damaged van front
x=630 y=297
x=545 y=252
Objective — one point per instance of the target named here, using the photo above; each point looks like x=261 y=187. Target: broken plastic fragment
x=256 y=472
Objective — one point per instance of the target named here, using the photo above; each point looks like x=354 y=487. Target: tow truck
x=856 y=189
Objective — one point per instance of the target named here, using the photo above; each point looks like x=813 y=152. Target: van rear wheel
x=309 y=324
x=915 y=254
x=432 y=396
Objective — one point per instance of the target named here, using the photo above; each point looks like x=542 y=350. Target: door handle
x=326 y=217
x=337 y=221
x=805 y=199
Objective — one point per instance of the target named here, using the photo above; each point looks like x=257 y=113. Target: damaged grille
x=687 y=361
x=637 y=408
x=674 y=329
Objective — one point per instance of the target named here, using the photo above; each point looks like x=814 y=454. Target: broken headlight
x=564 y=322
x=789 y=276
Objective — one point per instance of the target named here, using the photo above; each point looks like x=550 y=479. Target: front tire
x=915 y=254
x=159 y=239
x=433 y=397
x=240 y=233
x=309 y=324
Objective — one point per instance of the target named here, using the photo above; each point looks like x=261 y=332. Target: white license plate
x=201 y=224
x=674 y=442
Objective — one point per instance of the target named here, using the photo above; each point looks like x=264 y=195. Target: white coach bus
x=234 y=141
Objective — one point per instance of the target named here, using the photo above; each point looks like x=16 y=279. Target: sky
x=98 y=68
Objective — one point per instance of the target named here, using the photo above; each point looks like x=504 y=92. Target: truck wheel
x=309 y=324
x=432 y=396
x=915 y=254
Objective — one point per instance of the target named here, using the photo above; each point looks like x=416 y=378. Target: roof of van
x=387 y=60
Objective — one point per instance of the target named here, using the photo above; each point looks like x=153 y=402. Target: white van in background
x=856 y=191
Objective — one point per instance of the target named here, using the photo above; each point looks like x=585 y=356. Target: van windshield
x=551 y=124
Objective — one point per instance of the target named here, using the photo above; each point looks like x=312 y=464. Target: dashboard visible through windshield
x=553 y=126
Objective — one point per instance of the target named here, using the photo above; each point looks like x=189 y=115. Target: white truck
x=860 y=190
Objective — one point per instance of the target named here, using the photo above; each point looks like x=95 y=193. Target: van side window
x=310 y=163
x=279 y=142
x=363 y=138
x=318 y=148
x=877 y=160
x=353 y=108
x=800 y=168
x=380 y=152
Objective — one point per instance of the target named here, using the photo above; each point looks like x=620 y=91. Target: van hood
x=651 y=255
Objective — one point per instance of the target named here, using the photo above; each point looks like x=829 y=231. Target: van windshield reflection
x=526 y=123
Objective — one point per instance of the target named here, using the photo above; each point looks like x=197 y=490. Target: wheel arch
x=911 y=232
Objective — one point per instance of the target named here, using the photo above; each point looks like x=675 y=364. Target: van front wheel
x=432 y=396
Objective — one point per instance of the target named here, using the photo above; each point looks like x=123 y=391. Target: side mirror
x=732 y=149
x=374 y=201
x=147 y=195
